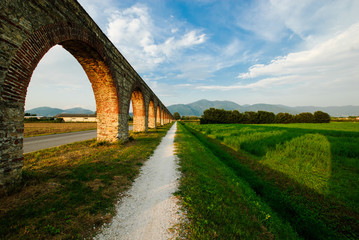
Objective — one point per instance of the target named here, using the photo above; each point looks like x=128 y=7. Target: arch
x=107 y=102
x=151 y=115
x=89 y=52
x=139 y=110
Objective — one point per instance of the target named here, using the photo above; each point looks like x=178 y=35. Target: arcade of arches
x=28 y=30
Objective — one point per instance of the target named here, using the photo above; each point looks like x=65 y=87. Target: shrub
x=321 y=117
x=305 y=117
x=284 y=118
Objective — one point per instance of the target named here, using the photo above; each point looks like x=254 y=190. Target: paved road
x=32 y=144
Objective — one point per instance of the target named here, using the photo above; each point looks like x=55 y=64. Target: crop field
x=335 y=126
x=306 y=175
x=43 y=128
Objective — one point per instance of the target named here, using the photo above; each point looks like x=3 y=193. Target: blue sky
x=294 y=53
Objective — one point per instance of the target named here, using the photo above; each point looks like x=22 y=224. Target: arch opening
x=59 y=81
x=151 y=115
x=105 y=92
x=139 y=111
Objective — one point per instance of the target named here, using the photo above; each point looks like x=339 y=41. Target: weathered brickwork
x=158 y=116
x=151 y=115
x=28 y=29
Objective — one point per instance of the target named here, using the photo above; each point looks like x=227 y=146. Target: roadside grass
x=40 y=128
x=218 y=202
x=316 y=171
x=69 y=192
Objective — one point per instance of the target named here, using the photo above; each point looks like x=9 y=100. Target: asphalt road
x=32 y=144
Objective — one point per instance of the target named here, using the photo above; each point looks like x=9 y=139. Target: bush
x=176 y=115
x=59 y=120
x=265 y=117
x=305 y=117
x=284 y=118
x=321 y=117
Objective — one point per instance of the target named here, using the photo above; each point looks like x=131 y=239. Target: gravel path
x=149 y=209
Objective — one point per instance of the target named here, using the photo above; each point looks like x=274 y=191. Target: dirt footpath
x=149 y=209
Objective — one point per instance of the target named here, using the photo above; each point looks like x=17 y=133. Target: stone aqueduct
x=28 y=29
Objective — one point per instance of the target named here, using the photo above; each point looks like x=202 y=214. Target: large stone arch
x=90 y=54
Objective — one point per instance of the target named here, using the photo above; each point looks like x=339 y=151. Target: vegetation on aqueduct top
x=291 y=181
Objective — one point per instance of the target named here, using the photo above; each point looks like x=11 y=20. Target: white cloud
x=311 y=20
x=59 y=81
x=138 y=38
x=328 y=64
x=337 y=55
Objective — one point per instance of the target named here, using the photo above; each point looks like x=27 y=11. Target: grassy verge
x=38 y=129
x=68 y=192
x=218 y=202
x=308 y=176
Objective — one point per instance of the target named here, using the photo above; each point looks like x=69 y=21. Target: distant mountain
x=50 y=112
x=197 y=108
x=334 y=111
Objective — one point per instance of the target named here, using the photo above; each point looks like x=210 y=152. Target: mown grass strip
x=68 y=192
x=218 y=202
x=303 y=220
x=315 y=168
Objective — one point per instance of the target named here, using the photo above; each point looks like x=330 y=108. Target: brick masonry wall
x=28 y=29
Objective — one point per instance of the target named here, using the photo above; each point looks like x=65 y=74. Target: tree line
x=213 y=115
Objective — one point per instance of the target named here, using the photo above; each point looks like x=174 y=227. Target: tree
x=305 y=117
x=176 y=116
x=284 y=118
x=321 y=117
x=235 y=117
x=265 y=117
x=250 y=117
x=213 y=115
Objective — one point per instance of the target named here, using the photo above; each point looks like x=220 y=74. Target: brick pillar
x=11 y=142
x=139 y=113
x=162 y=119
x=158 y=118
x=151 y=115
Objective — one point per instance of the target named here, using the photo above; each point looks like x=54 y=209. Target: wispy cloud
x=333 y=60
x=311 y=20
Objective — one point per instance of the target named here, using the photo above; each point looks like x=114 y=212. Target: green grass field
x=308 y=174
